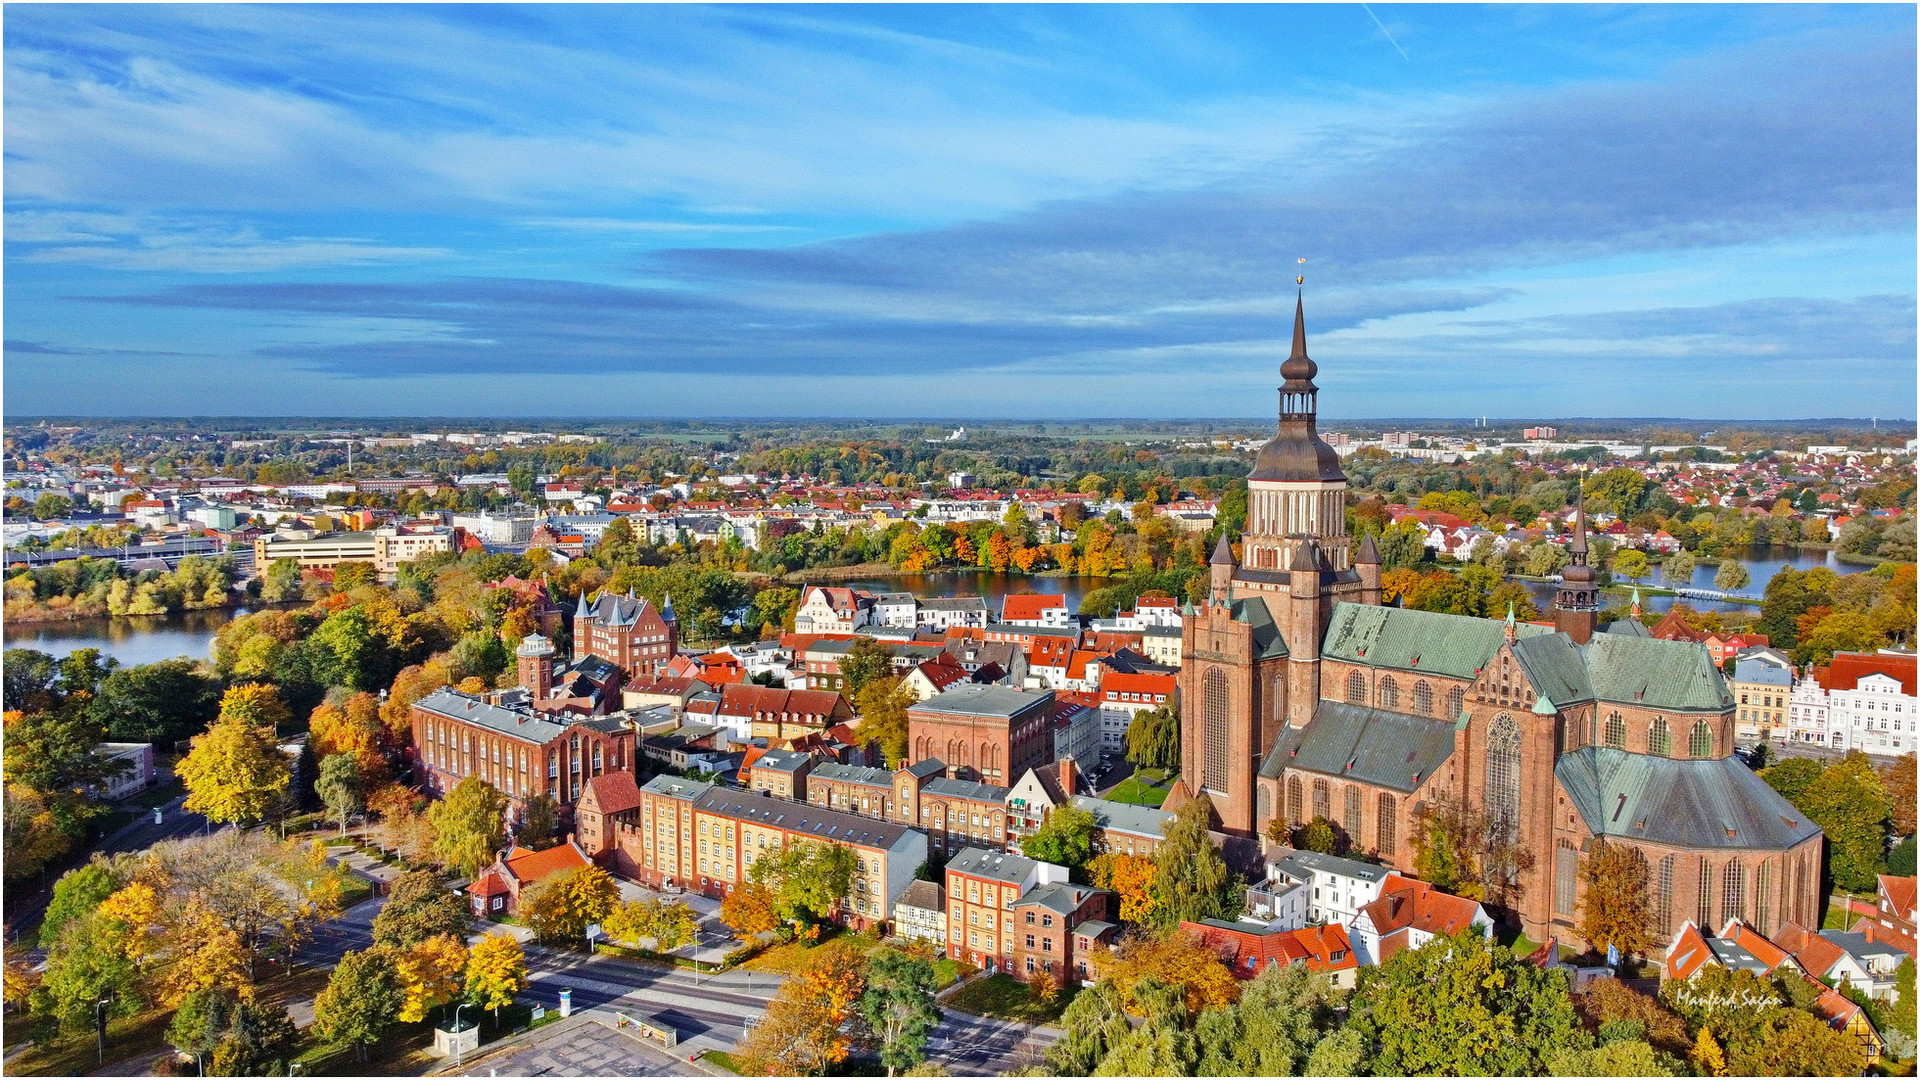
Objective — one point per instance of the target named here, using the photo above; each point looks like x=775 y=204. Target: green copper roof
x=1655 y=673
x=1389 y=749
x=1267 y=642
x=1407 y=640
x=1715 y=803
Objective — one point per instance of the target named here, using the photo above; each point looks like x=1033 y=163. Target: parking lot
x=578 y=1046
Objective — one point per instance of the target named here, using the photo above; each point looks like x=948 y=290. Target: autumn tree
x=1851 y=807
x=560 y=907
x=362 y=999
x=868 y=661
x=669 y=924
x=1897 y=778
x=750 y=909
x=883 y=705
x=1174 y=959
x=1617 y=908
x=1153 y=737
x=235 y=772
x=808 y=880
x=806 y=1027
x=898 y=1007
x=469 y=825
x=430 y=973
x=496 y=971
x=1282 y=1015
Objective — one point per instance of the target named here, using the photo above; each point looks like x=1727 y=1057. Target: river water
x=190 y=633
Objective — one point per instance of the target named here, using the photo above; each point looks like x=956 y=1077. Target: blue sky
x=958 y=211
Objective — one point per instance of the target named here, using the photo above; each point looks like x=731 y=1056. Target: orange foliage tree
x=1173 y=958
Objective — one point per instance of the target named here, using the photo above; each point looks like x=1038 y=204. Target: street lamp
x=100 y=1030
x=458 y=1043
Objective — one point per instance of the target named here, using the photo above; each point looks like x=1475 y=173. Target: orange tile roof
x=528 y=866
x=1815 y=954
x=1120 y=682
x=488 y=884
x=1902 y=892
x=1751 y=940
x=1408 y=903
x=614 y=791
x=1029 y=606
x=1687 y=955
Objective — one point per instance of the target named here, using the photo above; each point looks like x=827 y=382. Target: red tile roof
x=1120 y=682
x=1406 y=903
x=942 y=672
x=1247 y=952
x=1687 y=955
x=488 y=884
x=614 y=791
x=1901 y=892
x=1672 y=627
x=1763 y=950
x=1029 y=606
x=1815 y=954
x=1848 y=669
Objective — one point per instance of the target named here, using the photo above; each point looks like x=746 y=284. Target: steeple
x=666 y=608
x=1513 y=629
x=1576 y=605
x=1369 y=554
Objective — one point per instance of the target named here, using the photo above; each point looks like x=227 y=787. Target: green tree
x=1460 y=1005
x=90 y=963
x=560 y=907
x=349 y=651
x=340 y=788
x=808 y=880
x=420 y=905
x=1064 y=839
x=1732 y=576
x=1093 y=1023
x=1632 y=565
x=539 y=824
x=866 y=662
x=78 y=892
x=202 y=1021
x=898 y=1007
x=362 y=999
x=618 y=546
x=1677 y=569
x=51 y=505
x=1849 y=804
x=468 y=825
x=1791 y=777
x=305 y=781
x=1318 y=835
x=1282 y=1014
x=161 y=703
x=883 y=706
x=1192 y=881
x=1153 y=737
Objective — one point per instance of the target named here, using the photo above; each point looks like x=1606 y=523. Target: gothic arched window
x=1389 y=693
x=1295 y=804
x=1663 y=897
x=1213 y=711
x=1503 y=772
x=1763 y=898
x=1356 y=688
x=1266 y=803
x=1704 y=913
x=1659 y=738
x=1616 y=732
x=1384 y=810
x=1322 y=800
x=1353 y=815
x=1456 y=700
x=1733 y=891
x=1700 y=743
x=1423 y=698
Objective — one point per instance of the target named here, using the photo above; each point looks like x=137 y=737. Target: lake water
x=1761 y=564
x=131 y=641
x=190 y=633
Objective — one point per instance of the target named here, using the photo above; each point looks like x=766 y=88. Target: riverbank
x=864 y=571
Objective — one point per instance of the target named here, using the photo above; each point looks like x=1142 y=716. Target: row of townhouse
x=1859 y=701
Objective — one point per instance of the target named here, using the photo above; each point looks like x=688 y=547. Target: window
x=1353 y=814
x=1423 y=698
x=1704 y=910
x=1384 y=811
x=1389 y=693
x=1322 y=800
x=1295 y=806
x=1733 y=891
x=1503 y=773
x=1659 y=738
x=1616 y=732
x=1456 y=700
x=1663 y=897
x=1700 y=743
x=1763 y=898
x=1356 y=688
x=1566 y=867
x=1214 y=713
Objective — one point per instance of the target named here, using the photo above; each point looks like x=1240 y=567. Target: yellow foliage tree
x=750 y=909
x=353 y=728
x=137 y=907
x=496 y=971
x=430 y=974
x=256 y=703
x=1707 y=1056
x=1175 y=959
x=805 y=1029
x=561 y=906
x=235 y=771
x=1133 y=881
x=205 y=954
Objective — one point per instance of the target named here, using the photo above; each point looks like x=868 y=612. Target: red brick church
x=1302 y=697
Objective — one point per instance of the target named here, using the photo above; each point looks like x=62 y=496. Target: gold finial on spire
x=1300 y=279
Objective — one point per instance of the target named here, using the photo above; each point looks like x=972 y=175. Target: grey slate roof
x=1057 y=896
x=527 y=726
x=676 y=787
x=991 y=865
x=1655 y=673
x=1713 y=803
x=1423 y=641
x=814 y=821
x=954 y=603
x=977 y=699
x=929 y=767
x=1753 y=669
x=1302 y=865
x=1627 y=628
x=1372 y=745
x=1126 y=817
x=1860 y=947
x=925 y=895
x=781 y=760
x=966 y=789
x=853 y=774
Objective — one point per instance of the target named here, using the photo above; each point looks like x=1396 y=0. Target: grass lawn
x=797 y=955
x=403 y=1052
x=157 y=795
x=722 y=1059
x=76 y=1055
x=946 y=972
x=355 y=891
x=1134 y=790
x=1004 y=998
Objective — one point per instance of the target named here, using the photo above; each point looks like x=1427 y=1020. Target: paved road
x=971 y=1045
x=138 y=835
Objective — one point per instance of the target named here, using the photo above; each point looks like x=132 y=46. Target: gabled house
x=1410 y=913
x=1247 y=948
x=496 y=891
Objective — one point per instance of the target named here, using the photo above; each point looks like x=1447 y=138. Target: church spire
x=1576 y=604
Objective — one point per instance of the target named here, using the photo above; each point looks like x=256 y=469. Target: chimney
x=1069 y=775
